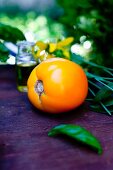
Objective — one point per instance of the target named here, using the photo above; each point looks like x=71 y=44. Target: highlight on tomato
x=57 y=85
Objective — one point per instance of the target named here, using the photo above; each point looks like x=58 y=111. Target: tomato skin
x=64 y=82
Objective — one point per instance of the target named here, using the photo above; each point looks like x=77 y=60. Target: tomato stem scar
x=39 y=87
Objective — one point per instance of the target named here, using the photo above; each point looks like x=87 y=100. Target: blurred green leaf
x=4 y=53
x=11 y=34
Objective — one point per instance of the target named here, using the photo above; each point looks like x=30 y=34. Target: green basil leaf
x=103 y=93
x=109 y=102
x=78 y=133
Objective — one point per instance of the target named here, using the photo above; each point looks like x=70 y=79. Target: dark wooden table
x=25 y=145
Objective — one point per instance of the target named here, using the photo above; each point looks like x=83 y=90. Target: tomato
x=57 y=85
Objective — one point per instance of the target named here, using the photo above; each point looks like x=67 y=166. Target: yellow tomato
x=57 y=85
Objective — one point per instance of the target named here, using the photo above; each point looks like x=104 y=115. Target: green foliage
x=39 y=27
x=9 y=34
x=93 y=19
x=100 y=88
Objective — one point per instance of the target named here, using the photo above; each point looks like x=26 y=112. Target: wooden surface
x=24 y=144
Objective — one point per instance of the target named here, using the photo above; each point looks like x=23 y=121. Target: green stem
x=109 y=72
x=94 y=84
x=92 y=92
x=96 y=65
x=105 y=85
x=89 y=99
x=105 y=108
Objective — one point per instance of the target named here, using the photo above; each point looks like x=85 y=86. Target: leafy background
x=94 y=19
